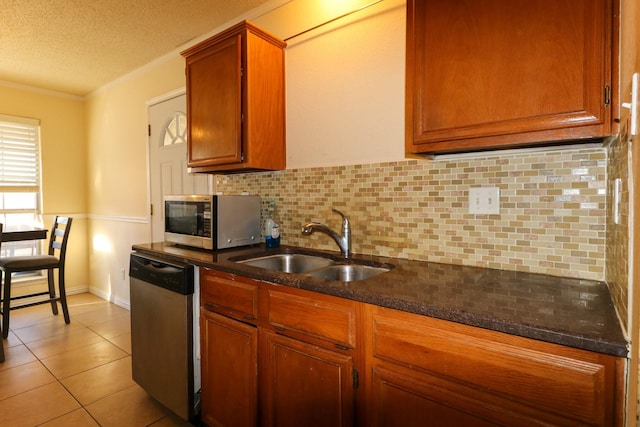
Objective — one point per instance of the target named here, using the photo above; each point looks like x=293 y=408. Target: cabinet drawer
x=573 y=383
x=317 y=317
x=227 y=295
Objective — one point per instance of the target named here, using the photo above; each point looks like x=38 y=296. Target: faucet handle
x=345 y=221
x=344 y=217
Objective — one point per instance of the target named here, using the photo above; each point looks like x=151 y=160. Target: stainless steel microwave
x=212 y=222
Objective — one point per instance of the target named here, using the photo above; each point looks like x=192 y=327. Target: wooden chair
x=14 y=264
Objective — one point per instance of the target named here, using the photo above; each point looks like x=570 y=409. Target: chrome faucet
x=343 y=241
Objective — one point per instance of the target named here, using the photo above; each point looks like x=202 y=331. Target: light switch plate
x=617 y=196
x=484 y=200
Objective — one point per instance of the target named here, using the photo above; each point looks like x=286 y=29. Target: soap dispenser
x=271 y=227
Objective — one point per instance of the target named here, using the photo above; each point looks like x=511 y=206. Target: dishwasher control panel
x=176 y=277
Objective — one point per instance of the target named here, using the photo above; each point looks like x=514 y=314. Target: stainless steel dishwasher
x=164 y=332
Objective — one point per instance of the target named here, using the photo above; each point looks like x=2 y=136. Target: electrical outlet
x=484 y=200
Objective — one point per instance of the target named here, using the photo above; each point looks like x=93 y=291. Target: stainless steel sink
x=316 y=266
x=289 y=263
x=347 y=272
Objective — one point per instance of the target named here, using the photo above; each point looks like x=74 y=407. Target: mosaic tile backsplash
x=552 y=216
x=617 y=257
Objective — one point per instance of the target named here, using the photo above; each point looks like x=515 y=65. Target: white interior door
x=168 y=158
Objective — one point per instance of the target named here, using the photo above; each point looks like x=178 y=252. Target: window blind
x=19 y=154
x=20 y=196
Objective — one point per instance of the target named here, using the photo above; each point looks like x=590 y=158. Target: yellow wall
x=64 y=167
x=117 y=141
x=117 y=180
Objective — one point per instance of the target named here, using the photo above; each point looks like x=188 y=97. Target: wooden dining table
x=10 y=235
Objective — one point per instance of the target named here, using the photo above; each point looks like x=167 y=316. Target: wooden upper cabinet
x=236 y=101
x=627 y=13
x=506 y=73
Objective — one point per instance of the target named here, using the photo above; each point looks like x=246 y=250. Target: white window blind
x=20 y=181
x=19 y=155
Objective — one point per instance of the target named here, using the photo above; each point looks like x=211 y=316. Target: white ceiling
x=76 y=46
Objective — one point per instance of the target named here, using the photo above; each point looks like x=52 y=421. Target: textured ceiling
x=76 y=46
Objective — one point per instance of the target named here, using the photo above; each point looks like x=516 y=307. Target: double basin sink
x=317 y=266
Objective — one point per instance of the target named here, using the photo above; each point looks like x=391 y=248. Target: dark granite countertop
x=567 y=311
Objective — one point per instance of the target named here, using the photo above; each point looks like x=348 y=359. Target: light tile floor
x=74 y=375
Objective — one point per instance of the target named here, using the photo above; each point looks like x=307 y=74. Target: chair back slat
x=60 y=236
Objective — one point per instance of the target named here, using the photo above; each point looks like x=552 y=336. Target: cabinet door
x=500 y=73
x=214 y=104
x=229 y=371
x=403 y=401
x=629 y=54
x=305 y=385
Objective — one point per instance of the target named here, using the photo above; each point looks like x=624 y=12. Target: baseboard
x=106 y=296
x=77 y=290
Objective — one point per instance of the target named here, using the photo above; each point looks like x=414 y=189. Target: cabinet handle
x=341 y=347
x=279 y=328
x=209 y=306
x=247 y=317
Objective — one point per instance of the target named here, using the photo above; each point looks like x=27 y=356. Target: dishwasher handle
x=159 y=266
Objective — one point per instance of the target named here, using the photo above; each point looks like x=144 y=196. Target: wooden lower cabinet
x=229 y=371
x=430 y=372
x=278 y=356
x=305 y=385
x=273 y=356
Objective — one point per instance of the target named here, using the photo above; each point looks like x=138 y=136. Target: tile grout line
x=59 y=380
x=41 y=340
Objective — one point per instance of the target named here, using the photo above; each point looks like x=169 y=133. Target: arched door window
x=175 y=132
